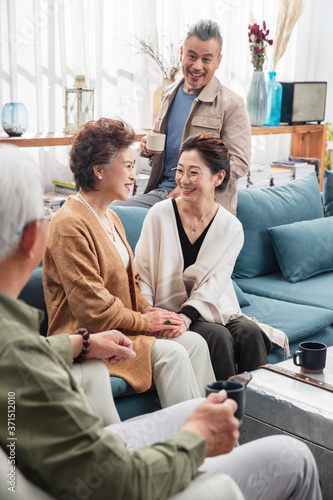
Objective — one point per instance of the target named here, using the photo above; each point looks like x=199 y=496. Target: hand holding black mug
x=234 y=390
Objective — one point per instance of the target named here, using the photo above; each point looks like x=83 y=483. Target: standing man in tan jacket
x=198 y=103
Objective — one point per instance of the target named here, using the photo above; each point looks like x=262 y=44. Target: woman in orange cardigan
x=89 y=276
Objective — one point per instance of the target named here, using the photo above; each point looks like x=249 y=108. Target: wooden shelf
x=38 y=140
x=288 y=129
x=49 y=139
x=307 y=140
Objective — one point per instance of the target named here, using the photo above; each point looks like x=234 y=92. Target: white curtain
x=45 y=43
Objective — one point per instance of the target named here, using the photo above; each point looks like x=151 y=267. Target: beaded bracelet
x=184 y=318
x=86 y=343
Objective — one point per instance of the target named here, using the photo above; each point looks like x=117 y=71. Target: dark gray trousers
x=240 y=342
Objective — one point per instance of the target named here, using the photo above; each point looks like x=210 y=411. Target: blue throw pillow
x=259 y=209
x=242 y=300
x=304 y=249
x=328 y=193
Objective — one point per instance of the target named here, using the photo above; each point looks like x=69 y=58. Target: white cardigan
x=205 y=285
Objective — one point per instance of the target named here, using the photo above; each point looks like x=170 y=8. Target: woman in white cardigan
x=186 y=254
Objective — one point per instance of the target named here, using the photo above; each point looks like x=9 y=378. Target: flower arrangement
x=258 y=39
x=168 y=62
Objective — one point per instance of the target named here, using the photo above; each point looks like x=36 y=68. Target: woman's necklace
x=110 y=230
x=194 y=229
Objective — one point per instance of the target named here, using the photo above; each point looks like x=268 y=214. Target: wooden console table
x=306 y=140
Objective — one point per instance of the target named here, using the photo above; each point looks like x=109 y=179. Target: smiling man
x=198 y=103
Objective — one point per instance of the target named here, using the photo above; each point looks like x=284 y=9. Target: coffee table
x=276 y=404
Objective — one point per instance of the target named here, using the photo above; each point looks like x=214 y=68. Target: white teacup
x=155 y=141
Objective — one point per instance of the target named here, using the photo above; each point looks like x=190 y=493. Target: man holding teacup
x=198 y=103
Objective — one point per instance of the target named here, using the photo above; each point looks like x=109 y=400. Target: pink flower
x=258 y=39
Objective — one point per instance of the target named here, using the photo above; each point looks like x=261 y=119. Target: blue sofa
x=285 y=268
x=288 y=238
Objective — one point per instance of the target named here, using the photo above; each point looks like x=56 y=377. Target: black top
x=190 y=254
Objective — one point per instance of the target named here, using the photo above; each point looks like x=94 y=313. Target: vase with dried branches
x=289 y=12
x=166 y=62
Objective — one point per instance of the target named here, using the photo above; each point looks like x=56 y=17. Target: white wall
x=44 y=43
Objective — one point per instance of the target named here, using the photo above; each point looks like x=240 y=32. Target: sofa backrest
x=132 y=219
x=33 y=295
x=260 y=209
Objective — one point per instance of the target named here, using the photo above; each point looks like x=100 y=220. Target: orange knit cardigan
x=86 y=285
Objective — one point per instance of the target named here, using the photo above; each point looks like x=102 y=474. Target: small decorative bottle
x=14 y=118
x=274 y=100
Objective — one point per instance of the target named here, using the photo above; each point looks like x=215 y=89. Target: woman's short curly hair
x=97 y=143
x=213 y=152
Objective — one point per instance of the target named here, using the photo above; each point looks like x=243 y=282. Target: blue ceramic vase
x=274 y=100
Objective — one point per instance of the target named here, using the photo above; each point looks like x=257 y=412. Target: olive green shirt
x=60 y=444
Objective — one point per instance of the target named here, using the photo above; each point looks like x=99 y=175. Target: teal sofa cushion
x=304 y=249
x=328 y=193
x=132 y=219
x=316 y=291
x=242 y=299
x=260 y=209
x=296 y=320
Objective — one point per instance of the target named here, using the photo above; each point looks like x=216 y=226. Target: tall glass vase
x=274 y=100
x=257 y=99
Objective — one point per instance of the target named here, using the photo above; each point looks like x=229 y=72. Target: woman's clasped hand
x=164 y=323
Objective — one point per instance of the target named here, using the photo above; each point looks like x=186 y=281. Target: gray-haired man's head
x=205 y=29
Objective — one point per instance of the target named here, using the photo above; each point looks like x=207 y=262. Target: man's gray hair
x=21 y=197
x=205 y=29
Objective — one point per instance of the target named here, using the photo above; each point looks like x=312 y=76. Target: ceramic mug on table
x=311 y=357
x=155 y=141
x=235 y=391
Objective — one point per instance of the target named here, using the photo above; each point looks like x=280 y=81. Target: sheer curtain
x=45 y=43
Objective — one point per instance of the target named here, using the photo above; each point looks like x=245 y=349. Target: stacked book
x=281 y=175
x=140 y=183
x=53 y=201
x=257 y=177
x=287 y=171
x=64 y=188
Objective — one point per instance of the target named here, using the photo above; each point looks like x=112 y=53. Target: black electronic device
x=303 y=102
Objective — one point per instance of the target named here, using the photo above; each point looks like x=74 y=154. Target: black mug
x=235 y=391
x=311 y=357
